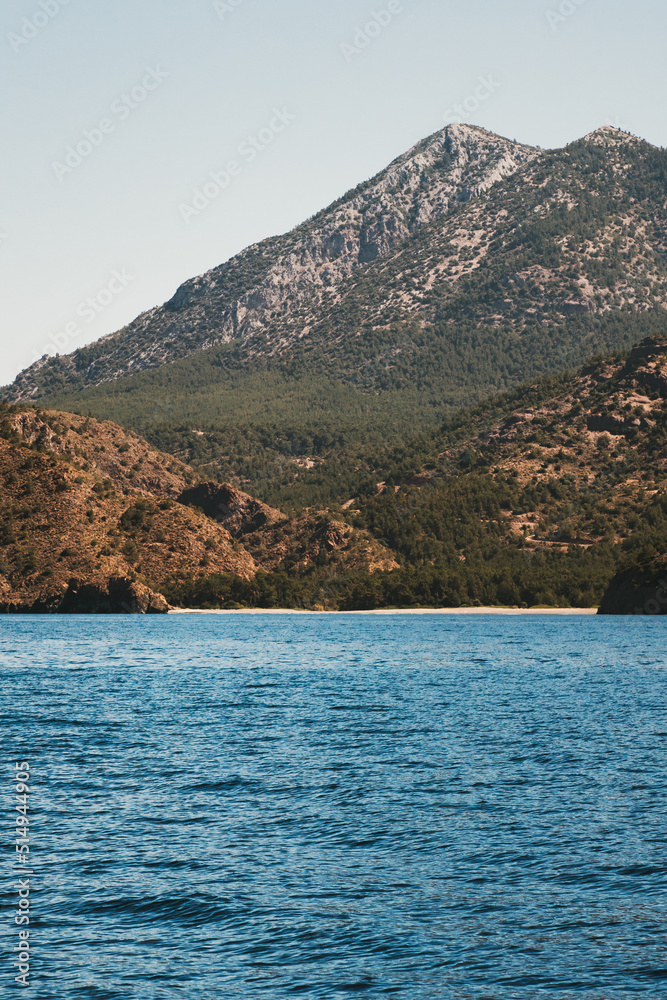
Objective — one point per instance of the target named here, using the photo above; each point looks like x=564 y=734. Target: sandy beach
x=395 y=611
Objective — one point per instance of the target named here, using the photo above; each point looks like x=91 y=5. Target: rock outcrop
x=239 y=513
x=121 y=596
x=641 y=590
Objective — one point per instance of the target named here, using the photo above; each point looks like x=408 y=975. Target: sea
x=327 y=806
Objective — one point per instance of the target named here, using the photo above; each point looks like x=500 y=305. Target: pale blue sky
x=113 y=229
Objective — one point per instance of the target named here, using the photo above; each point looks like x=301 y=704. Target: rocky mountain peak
x=295 y=276
x=542 y=237
x=610 y=134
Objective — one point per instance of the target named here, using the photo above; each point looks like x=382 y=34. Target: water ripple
x=280 y=806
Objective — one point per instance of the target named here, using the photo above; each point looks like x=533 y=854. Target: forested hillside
x=544 y=496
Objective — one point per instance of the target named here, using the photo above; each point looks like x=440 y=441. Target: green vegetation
x=449 y=509
x=456 y=552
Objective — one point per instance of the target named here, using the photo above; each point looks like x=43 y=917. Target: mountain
x=470 y=265
x=271 y=295
x=93 y=519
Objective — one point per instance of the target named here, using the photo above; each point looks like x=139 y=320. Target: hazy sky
x=115 y=113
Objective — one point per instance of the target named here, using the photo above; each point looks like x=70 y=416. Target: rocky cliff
x=640 y=590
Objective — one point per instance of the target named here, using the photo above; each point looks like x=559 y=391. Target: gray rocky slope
x=272 y=293
x=467 y=238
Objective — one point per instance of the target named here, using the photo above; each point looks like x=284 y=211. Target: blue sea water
x=328 y=806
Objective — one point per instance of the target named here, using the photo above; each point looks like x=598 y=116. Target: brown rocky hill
x=553 y=494
x=602 y=432
x=93 y=519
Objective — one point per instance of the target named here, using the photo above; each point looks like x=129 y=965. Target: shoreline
x=390 y=611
